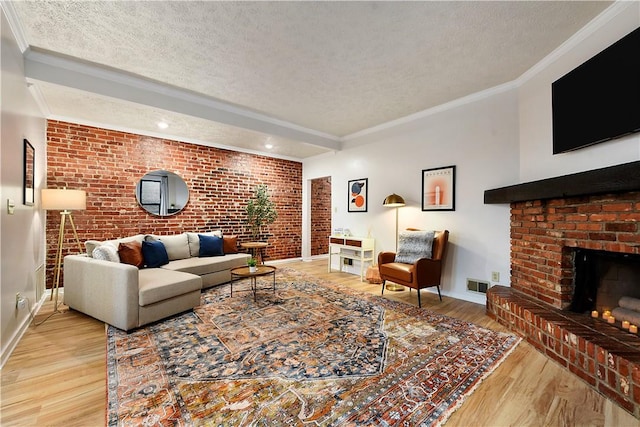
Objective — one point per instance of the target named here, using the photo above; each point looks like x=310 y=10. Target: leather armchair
x=424 y=273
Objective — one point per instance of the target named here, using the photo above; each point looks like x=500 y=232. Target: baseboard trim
x=19 y=333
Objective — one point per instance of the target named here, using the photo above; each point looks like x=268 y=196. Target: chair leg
x=440 y=296
x=382 y=293
x=419 y=302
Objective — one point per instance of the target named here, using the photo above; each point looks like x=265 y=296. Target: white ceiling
x=304 y=76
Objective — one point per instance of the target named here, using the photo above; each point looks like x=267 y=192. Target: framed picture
x=439 y=189
x=357 y=191
x=28 y=179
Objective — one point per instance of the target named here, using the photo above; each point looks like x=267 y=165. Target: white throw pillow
x=90 y=245
x=413 y=245
x=106 y=252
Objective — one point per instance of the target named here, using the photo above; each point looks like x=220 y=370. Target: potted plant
x=252 y=263
x=261 y=211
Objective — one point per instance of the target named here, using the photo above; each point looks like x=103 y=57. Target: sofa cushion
x=158 y=284
x=194 y=241
x=202 y=266
x=106 y=252
x=154 y=254
x=177 y=246
x=210 y=246
x=131 y=253
x=397 y=271
x=230 y=244
x=90 y=245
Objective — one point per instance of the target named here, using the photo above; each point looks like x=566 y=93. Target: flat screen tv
x=600 y=99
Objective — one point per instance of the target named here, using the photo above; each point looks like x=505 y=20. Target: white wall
x=534 y=102
x=22 y=234
x=480 y=138
x=498 y=138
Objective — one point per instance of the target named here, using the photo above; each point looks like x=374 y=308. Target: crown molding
x=598 y=22
x=14 y=25
x=70 y=72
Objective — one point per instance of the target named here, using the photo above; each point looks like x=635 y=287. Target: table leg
x=254 y=285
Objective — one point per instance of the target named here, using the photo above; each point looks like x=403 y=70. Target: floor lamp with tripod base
x=394 y=201
x=65 y=201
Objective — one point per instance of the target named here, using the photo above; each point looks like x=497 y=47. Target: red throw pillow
x=230 y=244
x=131 y=253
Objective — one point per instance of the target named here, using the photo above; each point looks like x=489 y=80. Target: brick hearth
x=544 y=234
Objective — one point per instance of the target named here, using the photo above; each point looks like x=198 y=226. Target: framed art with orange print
x=357 y=191
x=439 y=189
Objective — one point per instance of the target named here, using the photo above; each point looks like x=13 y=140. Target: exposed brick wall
x=543 y=233
x=320 y=215
x=108 y=164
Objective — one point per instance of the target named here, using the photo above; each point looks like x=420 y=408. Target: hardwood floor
x=57 y=374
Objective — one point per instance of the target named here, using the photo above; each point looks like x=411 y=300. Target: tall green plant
x=261 y=211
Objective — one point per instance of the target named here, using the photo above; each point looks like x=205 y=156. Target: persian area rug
x=312 y=353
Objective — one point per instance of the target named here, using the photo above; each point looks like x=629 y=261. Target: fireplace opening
x=607 y=281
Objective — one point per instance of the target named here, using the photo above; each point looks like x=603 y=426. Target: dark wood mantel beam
x=612 y=179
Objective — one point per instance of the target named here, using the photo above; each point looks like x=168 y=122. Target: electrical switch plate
x=11 y=206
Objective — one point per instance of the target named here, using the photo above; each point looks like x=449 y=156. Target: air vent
x=479 y=286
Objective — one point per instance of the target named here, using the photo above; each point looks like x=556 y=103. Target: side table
x=257 y=249
x=244 y=272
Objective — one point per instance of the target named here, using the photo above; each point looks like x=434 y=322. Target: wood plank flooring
x=56 y=376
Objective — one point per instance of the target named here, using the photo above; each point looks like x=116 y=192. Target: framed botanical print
x=439 y=189
x=357 y=191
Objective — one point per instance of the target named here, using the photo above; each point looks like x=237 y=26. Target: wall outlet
x=21 y=303
x=11 y=206
x=495 y=276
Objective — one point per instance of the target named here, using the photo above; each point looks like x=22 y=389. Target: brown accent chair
x=424 y=273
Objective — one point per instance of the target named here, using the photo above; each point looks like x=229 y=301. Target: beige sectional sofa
x=123 y=295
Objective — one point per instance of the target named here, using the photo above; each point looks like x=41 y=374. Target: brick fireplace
x=545 y=233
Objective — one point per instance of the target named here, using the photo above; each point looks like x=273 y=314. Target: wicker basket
x=373 y=275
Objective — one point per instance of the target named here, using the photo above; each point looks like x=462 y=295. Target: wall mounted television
x=600 y=99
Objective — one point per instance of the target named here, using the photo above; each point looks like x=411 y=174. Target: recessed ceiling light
x=268 y=146
x=163 y=125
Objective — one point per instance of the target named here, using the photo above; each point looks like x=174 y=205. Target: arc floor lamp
x=394 y=201
x=65 y=201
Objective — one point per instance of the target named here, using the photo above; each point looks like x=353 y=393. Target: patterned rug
x=312 y=353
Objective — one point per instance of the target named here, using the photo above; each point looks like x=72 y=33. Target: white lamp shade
x=60 y=199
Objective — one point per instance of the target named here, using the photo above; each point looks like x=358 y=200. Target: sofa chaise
x=114 y=283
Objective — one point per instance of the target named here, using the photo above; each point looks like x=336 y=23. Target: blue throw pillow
x=154 y=254
x=210 y=245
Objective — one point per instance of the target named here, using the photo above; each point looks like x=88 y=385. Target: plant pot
x=252 y=268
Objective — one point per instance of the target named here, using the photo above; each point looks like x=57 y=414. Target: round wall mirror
x=162 y=193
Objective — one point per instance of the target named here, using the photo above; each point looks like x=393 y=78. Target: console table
x=358 y=248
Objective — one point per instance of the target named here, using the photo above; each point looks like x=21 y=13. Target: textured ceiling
x=324 y=68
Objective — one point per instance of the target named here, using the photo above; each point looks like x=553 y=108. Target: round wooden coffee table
x=244 y=272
